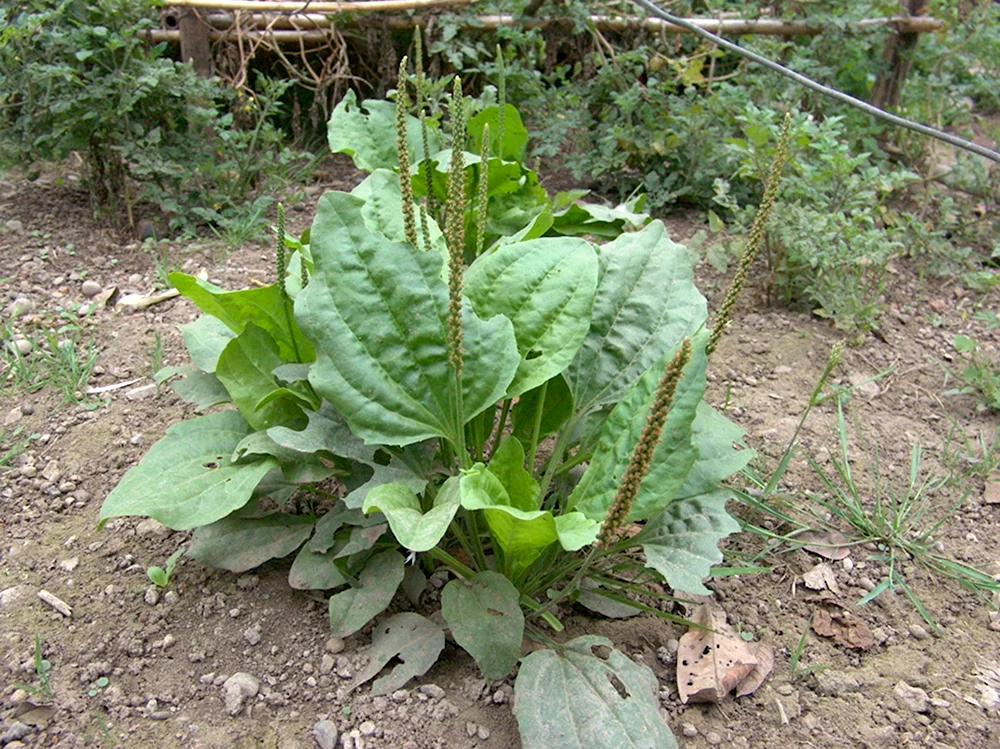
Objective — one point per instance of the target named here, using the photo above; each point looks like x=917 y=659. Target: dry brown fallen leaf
x=830 y=545
x=711 y=664
x=845 y=628
x=821 y=577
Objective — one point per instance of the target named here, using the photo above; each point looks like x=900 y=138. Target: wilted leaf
x=715 y=661
x=586 y=695
x=845 y=628
x=415 y=641
x=485 y=618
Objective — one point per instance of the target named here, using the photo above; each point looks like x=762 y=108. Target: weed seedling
x=42 y=669
x=160 y=576
x=799 y=672
x=981 y=376
x=97 y=685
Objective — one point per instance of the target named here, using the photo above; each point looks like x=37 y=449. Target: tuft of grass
x=58 y=359
x=968 y=457
x=795 y=657
x=13 y=443
x=897 y=519
x=980 y=375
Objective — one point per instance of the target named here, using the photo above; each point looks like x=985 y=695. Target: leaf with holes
x=354 y=608
x=586 y=695
x=485 y=618
x=187 y=479
x=682 y=542
x=414 y=640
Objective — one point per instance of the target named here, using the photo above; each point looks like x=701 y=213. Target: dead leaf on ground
x=829 y=545
x=991 y=492
x=821 y=577
x=715 y=661
x=845 y=628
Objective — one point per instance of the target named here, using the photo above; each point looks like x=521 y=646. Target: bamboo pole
x=312 y=26
x=287 y=6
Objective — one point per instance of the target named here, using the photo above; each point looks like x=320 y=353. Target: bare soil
x=166 y=655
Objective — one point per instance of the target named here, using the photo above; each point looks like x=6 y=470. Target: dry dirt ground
x=135 y=667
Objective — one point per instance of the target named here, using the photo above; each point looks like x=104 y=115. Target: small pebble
x=688 y=730
x=918 y=633
x=367 y=728
x=335 y=645
x=713 y=738
x=400 y=695
x=325 y=733
x=90 y=288
x=432 y=690
x=483 y=733
x=152 y=596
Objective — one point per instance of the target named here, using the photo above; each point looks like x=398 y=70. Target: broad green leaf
x=520 y=535
x=674 y=454
x=201 y=389
x=383 y=210
x=414 y=529
x=315 y=571
x=336 y=518
x=265 y=307
x=682 y=542
x=507 y=464
x=240 y=544
x=515 y=138
x=367 y=133
x=484 y=615
x=598 y=220
x=187 y=479
x=576 y=530
x=714 y=437
x=296 y=467
x=245 y=369
x=646 y=303
x=415 y=641
x=377 y=311
x=205 y=338
x=546 y=288
x=354 y=608
x=586 y=695
x=557 y=409
x=327 y=432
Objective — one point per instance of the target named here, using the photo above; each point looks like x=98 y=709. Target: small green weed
x=967 y=457
x=97 y=685
x=981 y=375
x=795 y=657
x=12 y=444
x=160 y=576
x=42 y=671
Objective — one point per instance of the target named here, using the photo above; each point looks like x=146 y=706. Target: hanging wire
x=833 y=93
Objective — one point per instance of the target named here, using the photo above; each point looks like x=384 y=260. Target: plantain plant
x=500 y=395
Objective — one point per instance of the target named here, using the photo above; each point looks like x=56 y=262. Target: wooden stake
x=194 y=42
x=897 y=58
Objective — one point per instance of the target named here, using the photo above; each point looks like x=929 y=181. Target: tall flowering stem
x=455 y=226
x=279 y=251
x=501 y=103
x=282 y=269
x=483 y=198
x=420 y=82
x=403 y=150
x=454 y=233
x=642 y=454
x=754 y=237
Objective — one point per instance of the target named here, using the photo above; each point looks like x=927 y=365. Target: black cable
x=833 y=93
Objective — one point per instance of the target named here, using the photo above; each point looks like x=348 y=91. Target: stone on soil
x=238 y=688
x=325 y=734
x=913 y=698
